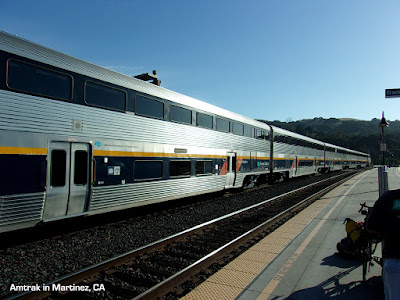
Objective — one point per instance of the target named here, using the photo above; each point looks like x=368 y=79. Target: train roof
x=24 y=48
x=31 y=50
x=295 y=135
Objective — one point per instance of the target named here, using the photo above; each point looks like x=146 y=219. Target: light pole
x=382 y=125
x=382 y=173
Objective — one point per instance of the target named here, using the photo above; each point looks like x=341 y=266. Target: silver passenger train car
x=77 y=139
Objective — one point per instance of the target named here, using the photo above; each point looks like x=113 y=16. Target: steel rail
x=91 y=271
x=161 y=288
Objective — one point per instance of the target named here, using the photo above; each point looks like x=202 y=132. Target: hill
x=354 y=134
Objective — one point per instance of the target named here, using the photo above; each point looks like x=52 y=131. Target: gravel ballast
x=45 y=260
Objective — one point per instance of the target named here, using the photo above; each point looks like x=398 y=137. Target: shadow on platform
x=333 y=289
x=370 y=289
x=341 y=262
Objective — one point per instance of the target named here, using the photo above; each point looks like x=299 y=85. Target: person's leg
x=391 y=278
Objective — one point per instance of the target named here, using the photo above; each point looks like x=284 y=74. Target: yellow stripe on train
x=23 y=150
x=153 y=154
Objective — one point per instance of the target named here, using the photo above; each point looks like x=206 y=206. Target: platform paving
x=300 y=260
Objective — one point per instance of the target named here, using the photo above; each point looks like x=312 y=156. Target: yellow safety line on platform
x=286 y=267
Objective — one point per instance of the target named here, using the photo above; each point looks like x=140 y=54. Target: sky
x=283 y=60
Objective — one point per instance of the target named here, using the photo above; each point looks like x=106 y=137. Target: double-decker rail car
x=357 y=160
x=77 y=139
x=296 y=155
x=333 y=157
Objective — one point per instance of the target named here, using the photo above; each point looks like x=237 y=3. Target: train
x=77 y=139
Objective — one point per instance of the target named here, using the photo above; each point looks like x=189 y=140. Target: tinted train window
x=149 y=107
x=260 y=134
x=306 y=163
x=248 y=130
x=179 y=168
x=81 y=167
x=181 y=115
x=147 y=169
x=58 y=167
x=204 y=120
x=104 y=96
x=32 y=79
x=203 y=167
x=222 y=125
x=238 y=129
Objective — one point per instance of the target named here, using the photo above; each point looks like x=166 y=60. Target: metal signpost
x=382 y=173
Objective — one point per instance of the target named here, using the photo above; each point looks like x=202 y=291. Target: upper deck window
x=204 y=120
x=149 y=107
x=24 y=77
x=181 y=115
x=238 y=128
x=260 y=134
x=104 y=96
x=248 y=131
x=222 y=125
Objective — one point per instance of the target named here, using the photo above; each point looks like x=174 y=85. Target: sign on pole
x=392 y=93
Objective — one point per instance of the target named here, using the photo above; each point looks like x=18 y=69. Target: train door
x=68 y=179
x=315 y=165
x=253 y=160
x=230 y=170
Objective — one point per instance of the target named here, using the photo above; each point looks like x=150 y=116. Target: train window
x=238 y=128
x=104 y=96
x=203 y=167
x=306 y=163
x=58 y=167
x=36 y=80
x=81 y=167
x=149 y=107
x=179 y=168
x=181 y=115
x=248 y=131
x=259 y=134
x=222 y=125
x=203 y=120
x=266 y=135
x=147 y=169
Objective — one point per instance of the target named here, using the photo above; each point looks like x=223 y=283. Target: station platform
x=299 y=260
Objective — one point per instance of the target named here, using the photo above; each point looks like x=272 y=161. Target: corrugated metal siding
x=46 y=55
x=239 y=179
x=21 y=208
x=113 y=196
x=282 y=148
x=41 y=115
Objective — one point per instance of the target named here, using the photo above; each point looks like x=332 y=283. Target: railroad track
x=160 y=268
